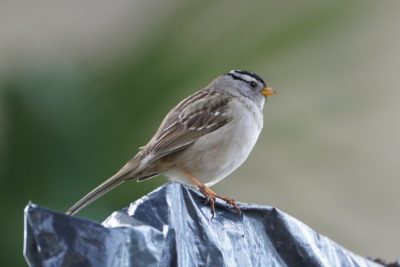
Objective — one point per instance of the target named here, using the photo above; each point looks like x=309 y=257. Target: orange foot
x=211 y=196
x=231 y=202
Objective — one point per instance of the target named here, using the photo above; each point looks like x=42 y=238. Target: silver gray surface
x=172 y=226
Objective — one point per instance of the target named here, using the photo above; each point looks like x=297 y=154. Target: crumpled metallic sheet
x=172 y=226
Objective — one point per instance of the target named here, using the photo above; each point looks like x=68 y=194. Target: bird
x=203 y=139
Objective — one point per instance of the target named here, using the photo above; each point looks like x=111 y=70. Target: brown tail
x=126 y=172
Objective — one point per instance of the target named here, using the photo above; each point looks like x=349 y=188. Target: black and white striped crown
x=246 y=76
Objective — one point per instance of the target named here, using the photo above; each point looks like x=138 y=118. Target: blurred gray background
x=83 y=84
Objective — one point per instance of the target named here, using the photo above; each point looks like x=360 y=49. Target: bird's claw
x=232 y=202
x=211 y=197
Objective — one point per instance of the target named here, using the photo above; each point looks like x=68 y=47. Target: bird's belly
x=212 y=158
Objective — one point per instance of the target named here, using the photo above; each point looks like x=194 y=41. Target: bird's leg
x=207 y=192
x=210 y=195
x=231 y=202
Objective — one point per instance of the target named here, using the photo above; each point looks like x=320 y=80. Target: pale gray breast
x=217 y=154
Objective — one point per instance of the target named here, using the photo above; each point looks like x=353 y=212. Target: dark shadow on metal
x=172 y=227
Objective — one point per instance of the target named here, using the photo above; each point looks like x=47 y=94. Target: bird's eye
x=253 y=84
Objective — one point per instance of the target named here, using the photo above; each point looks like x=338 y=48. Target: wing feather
x=194 y=117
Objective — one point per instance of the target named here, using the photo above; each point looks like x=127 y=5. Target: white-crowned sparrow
x=202 y=140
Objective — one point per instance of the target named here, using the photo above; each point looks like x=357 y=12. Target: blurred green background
x=83 y=84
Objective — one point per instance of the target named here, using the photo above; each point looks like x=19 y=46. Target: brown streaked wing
x=197 y=115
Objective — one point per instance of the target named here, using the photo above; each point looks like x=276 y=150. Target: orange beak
x=268 y=91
